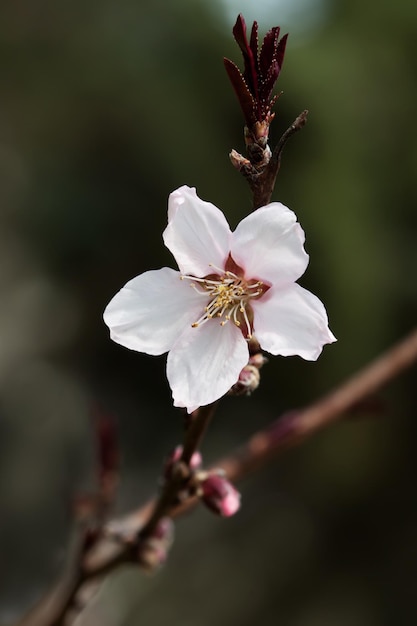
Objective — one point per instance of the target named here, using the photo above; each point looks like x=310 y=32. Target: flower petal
x=291 y=321
x=197 y=233
x=150 y=312
x=205 y=362
x=268 y=244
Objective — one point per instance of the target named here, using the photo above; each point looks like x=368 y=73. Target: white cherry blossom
x=229 y=287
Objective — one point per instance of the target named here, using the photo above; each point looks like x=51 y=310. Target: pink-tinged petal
x=197 y=233
x=205 y=362
x=291 y=321
x=150 y=312
x=268 y=244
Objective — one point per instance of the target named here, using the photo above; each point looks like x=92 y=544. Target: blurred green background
x=105 y=108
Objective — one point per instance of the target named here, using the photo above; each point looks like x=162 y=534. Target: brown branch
x=53 y=608
x=196 y=430
x=261 y=173
x=262 y=185
x=288 y=430
x=297 y=125
x=168 y=500
x=115 y=547
x=293 y=428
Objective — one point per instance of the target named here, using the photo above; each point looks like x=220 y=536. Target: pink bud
x=174 y=457
x=164 y=530
x=248 y=381
x=196 y=460
x=153 y=550
x=152 y=555
x=258 y=360
x=220 y=495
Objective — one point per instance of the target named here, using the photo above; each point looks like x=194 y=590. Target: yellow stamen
x=228 y=297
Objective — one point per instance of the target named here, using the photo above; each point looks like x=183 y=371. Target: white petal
x=150 y=312
x=268 y=244
x=291 y=321
x=205 y=362
x=176 y=198
x=197 y=233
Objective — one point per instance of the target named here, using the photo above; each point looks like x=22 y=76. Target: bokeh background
x=105 y=108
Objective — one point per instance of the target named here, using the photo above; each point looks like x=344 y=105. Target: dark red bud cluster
x=261 y=70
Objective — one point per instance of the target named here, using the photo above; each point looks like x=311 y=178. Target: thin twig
x=288 y=430
x=168 y=500
x=196 y=430
x=297 y=125
x=261 y=176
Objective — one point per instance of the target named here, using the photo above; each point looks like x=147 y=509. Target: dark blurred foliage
x=105 y=108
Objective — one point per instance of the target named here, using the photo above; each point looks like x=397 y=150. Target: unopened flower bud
x=247 y=382
x=175 y=456
x=153 y=551
x=152 y=555
x=258 y=360
x=238 y=161
x=164 y=530
x=219 y=495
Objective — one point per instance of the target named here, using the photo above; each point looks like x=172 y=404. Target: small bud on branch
x=219 y=495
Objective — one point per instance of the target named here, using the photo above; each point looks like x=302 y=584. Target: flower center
x=229 y=298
